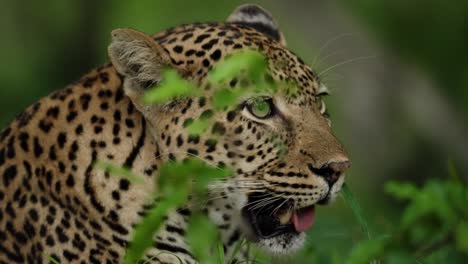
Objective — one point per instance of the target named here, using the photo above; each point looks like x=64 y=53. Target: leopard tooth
x=284 y=218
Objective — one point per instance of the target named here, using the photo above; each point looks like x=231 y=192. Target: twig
x=428 y=250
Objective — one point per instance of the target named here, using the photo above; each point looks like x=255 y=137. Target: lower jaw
x=275 y=243
x=282 y=245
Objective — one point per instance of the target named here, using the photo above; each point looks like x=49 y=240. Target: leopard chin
x=283 y=244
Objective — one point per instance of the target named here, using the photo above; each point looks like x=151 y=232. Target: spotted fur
x=53 y=200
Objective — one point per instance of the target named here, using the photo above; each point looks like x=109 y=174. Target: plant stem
x=430 y=249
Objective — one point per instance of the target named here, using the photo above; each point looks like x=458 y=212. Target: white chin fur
x=337 y=188
x=283 y=244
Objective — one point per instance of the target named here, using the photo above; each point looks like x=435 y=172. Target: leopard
x=55 y=202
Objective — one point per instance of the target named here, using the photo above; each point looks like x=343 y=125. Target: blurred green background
x=398 y=72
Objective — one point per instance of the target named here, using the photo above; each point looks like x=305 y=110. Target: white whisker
x=279 y=206
x=327 y=43
x=345 y=62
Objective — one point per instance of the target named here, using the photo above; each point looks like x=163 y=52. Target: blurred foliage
x=432 y=229
x=435 y=218
x=172 y=87
x=175 y=183
x=429 y=33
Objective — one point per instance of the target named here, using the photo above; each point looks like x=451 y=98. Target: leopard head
x=279 y=144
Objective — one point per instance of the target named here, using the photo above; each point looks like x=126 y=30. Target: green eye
x=261 y=107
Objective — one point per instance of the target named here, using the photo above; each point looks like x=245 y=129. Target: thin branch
x=426 y=251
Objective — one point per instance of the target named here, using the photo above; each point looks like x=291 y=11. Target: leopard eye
x=261 y=107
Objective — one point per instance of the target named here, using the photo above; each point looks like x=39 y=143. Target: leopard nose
x=330 y=171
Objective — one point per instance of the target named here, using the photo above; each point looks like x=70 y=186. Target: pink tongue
x=303 y=218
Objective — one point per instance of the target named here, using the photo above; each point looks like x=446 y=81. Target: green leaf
x=119 y=172
x=174 y=178
x=172 y=87
x=225 y=98
x=193 y=175
x=402 y=191
x=366 y=251
x=253 y=62
x=144 y=232
x=176 y=181
x=462 y=236
x=206 y=174
x=431 y=203
x=198 y=127
x=202 y=236
x=290 y=88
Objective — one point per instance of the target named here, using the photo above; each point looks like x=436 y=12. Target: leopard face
x=54 y=200
x=274 y=190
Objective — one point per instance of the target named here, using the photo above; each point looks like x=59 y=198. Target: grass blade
x=239 y=244
x=353 y=203
x=51 y=259
x=222 y=258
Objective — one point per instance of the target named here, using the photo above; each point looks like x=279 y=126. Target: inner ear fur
x=137 y=56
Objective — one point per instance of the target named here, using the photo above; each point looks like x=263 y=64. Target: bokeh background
x=398 y=72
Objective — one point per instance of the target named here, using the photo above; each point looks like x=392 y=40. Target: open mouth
x=277 y=218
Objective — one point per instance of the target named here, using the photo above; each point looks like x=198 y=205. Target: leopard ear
x=258 y=18
x=137 y=56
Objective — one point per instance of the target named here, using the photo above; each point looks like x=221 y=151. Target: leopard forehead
x=194 y=50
